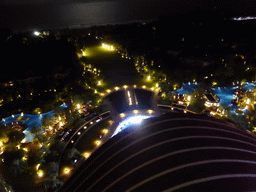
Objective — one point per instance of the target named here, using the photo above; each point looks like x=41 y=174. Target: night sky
x=44 y=14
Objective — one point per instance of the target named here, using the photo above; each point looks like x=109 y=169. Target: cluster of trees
x=21 y=162
x=47 y=74
x=26 y=56
x=190 y=46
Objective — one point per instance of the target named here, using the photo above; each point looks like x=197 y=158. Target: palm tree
x=15 y=137
x=36 y=130
x=17 y=166
x=53 y=183
x=47 y=121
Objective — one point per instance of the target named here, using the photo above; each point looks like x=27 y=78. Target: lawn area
x=116 y=70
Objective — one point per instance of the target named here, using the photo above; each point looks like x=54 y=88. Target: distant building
x=212 y=100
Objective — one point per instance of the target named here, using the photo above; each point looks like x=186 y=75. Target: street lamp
x=97 y=142
x=122 y=115
x=86 y=155
x=40 y=173
x=105 y=131
x=67 y=170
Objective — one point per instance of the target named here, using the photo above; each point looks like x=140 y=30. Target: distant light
x=36 y=33
x=105 y=131
x=37 y=166
x=122 y=115
x=130 y=101
x=66 y=170
x=40 y=173
x=97 y=142
x=148 y=78
x=87 y=154
x=150 y=111
x=135 y=111
x=244 y=18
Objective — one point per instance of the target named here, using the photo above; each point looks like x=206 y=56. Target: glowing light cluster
x=109 y=47
x=244 y=18
x=37 y=33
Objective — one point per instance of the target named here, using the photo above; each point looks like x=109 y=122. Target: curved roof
x=131 y=98
x=172 y=152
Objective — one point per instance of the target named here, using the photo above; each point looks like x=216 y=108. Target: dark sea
x=45 y=16
x=34 y=16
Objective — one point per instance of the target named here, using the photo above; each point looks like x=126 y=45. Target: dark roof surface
x=142 y=99
x=175 y=151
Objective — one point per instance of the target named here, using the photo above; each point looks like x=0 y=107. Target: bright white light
x=130 y=101
x=130 y=121
x=36 y=33
x=243 y=18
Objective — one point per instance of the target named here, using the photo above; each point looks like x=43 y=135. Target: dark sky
x=38 y=14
